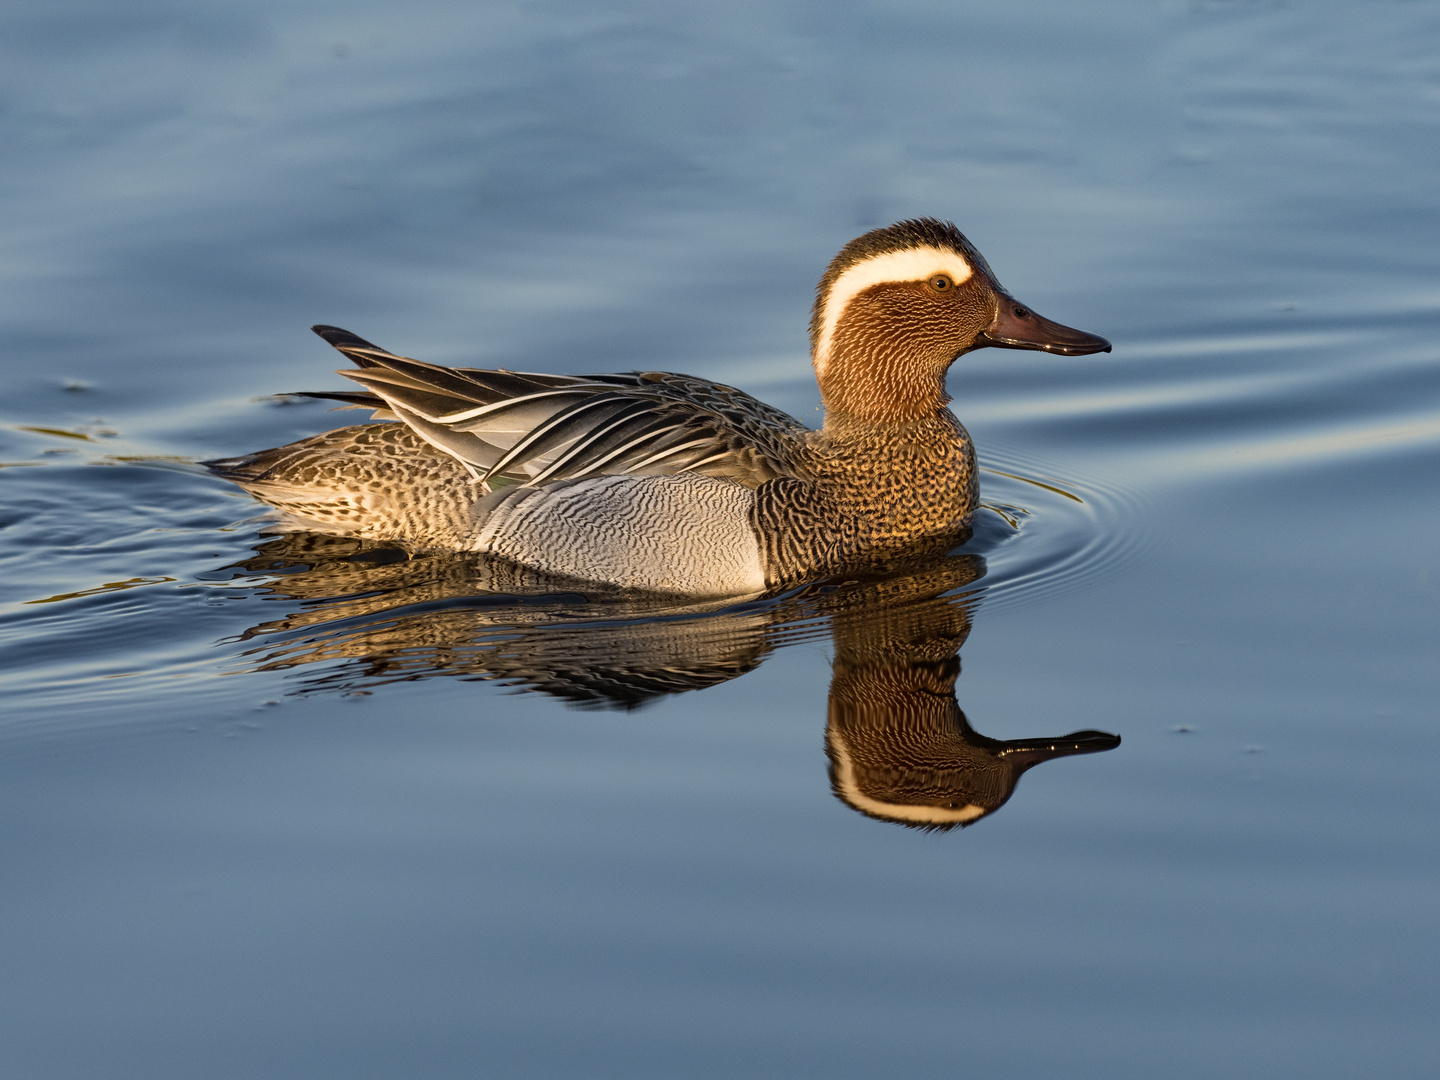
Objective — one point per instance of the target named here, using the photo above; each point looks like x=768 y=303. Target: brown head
x=898 y=305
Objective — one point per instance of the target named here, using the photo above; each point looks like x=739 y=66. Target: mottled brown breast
x=871 y=492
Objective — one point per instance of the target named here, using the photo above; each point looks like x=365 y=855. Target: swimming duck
x=668 y=483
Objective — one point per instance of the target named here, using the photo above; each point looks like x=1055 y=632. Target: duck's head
x=898 y=305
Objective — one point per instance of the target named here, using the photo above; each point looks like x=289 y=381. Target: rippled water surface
x=302 y=807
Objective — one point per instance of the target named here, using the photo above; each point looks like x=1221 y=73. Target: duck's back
x=644 y=480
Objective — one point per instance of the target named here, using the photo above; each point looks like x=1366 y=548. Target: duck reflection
x=370 y=615
x=900 y=748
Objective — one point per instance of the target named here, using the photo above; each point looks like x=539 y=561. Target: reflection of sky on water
x=441 y=878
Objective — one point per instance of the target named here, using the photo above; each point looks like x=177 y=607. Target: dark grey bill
x=1017 y=327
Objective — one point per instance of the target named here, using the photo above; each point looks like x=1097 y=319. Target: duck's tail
x=365 y=354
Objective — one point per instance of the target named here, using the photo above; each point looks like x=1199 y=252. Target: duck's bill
x=1017 y=327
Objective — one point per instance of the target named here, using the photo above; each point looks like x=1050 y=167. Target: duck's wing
x=532 y=429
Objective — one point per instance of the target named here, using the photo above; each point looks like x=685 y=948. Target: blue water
x=290 y=808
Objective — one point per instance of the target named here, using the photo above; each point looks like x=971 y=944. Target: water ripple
x=1075 y=529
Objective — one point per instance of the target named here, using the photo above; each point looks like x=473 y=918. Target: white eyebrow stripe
x=914 y=264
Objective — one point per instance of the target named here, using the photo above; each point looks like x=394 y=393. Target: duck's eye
x=1021 y=312
x=940 y=283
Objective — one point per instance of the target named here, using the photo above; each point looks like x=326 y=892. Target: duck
x=658 y=482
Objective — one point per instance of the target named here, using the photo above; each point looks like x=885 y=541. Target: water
x=295 y=809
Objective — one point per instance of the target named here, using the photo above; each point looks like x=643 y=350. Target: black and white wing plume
x=517 y=427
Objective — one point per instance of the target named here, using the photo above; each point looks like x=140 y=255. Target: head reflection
x=900 y=748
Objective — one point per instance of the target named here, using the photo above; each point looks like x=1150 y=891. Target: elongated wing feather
x=532 y=429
